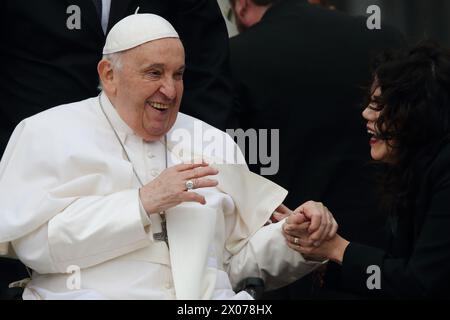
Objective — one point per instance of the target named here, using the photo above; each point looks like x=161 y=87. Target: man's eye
x=178 y=75
x=154 y=73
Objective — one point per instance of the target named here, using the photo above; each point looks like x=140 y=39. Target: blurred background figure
x=300 y=68
x=416 y=19
x=324 y=3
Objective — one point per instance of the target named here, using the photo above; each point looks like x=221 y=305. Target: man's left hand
x=282 y=212
x=312 y=222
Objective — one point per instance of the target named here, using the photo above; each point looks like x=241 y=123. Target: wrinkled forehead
x=167 y=51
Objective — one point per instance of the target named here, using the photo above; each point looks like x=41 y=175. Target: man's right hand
x=169 y=188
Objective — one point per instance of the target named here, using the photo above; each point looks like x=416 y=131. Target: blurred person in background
x=299 y=68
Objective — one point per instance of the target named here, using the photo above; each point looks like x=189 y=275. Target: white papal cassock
x=69 y=198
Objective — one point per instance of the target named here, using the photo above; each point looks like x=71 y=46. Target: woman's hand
x=169 y=188
x=333 y=249
x=311 y=230
x=322 y=225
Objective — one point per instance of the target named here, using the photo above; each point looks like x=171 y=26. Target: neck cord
x=158 y=236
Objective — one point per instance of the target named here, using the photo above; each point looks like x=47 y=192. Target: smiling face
x=380 y=149
x=147 y=88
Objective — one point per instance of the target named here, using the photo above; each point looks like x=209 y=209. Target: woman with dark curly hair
x=408 y=118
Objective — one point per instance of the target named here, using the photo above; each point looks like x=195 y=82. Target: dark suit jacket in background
x=44 y=64
x=301 y=69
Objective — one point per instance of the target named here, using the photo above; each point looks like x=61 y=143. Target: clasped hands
x=312 y=230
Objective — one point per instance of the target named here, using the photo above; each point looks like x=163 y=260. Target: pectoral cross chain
x=162 y=236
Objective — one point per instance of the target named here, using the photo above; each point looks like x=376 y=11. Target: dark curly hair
x=415 y=114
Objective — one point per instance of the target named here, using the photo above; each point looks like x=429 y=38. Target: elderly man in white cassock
x=101 y=187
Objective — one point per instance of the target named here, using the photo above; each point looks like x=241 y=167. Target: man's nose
x=168 y=89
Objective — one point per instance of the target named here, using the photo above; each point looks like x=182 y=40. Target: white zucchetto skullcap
x=137 y=29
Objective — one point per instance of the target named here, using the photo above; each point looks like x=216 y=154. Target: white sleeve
x=144 y=215
x=90 y=231
x=4 y=248
x=267 y=256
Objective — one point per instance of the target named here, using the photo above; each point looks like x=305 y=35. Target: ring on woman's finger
x=189 y=185
x=296 y=240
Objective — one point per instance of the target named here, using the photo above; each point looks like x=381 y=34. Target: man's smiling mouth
x=159 y=106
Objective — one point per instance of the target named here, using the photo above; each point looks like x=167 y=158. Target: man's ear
x=106 y=75
x=241 y=8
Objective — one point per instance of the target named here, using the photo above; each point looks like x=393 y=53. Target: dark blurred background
x=416 y=19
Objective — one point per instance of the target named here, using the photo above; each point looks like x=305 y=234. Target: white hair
x=115 y=59
x=116 y=62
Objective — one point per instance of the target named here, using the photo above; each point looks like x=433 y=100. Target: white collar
x=122 y=128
